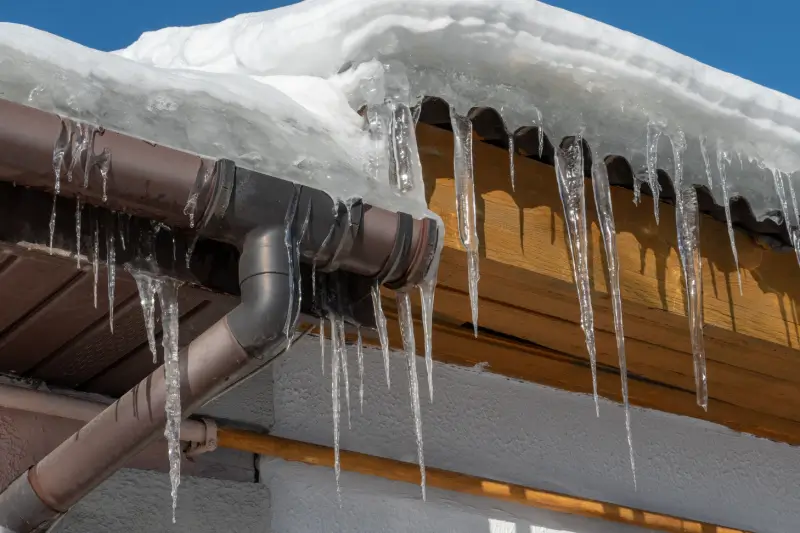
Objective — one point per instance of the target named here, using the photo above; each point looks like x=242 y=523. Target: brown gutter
x=145 y=179
x=155 y=182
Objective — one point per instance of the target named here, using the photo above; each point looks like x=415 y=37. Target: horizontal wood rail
x=313 y=454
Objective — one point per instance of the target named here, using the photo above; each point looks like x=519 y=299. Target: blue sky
x=750 y=38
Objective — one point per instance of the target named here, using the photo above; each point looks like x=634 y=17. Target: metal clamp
x=210 y=443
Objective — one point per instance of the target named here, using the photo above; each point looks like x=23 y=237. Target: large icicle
x=360 y=355
x=407 y=333
x=383 y=333
x=569 y=174
x=111 y=271
x=168 y=299
x=335 y=368
x=343 y=359
x=687 y=221
x=426 y=292
x=288 y=239
x=406 y=171
x=465 y=203
x=605 y=216
x=148 y=286
x=724 y=158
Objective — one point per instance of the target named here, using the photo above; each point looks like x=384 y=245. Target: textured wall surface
x=489 y=426
x=134 y=501
x=479 y=424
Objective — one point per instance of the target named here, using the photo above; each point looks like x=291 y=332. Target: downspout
x=249 y=336
x=236 y=205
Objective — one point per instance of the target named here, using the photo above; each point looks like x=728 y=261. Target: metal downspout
x=249 y=336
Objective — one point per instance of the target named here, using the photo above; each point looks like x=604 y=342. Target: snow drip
x=166 y=289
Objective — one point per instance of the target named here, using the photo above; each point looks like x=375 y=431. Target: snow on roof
x=278 y=90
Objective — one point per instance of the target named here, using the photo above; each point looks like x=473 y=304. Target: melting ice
x=465 y=204
x=166 y=289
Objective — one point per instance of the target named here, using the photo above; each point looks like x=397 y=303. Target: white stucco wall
x=479 y=424
x=486 y=425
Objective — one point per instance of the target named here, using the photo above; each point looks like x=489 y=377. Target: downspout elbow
x=265 y=272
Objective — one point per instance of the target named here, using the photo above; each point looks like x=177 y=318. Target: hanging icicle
x=288 y=239
x=724 y=158
x=569 y=174
x=405 y=165
x=111 y=271
x=605 y=217
x=407 y=333
x=148 y=286
x=170 y=317
x=653 y=136
x=335 y=368
x=511 y=171
x=383 y=333
x=465 y=204
x=360 y=355
x=427 y=289
x=343 y=360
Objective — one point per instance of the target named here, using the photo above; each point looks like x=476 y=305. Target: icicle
x=322 y=343
x=202 y=179
x=540 y=128
x=511 y=162
x=78 y=214
x=59 y=151
x=52 y=224
x=111 y=270
x=190 y=251
x=569 y=173
x=795 y=228
x=121 y=233
x=288 y=240
x=688 y=226
x=426 y=292
x=360 y=354
x=343 y=359
x=407 y=332
x=722 y=158
x=148 y=287
x=96 y=258
x=605 y=216
x=168 y=298
x=707 y=161
x=383 y=333
x=407 y=171
x=792 y=230
x=653 y=135
x=79 y=143
x=335 y=399
x=416 y=113
x=465 y=204
x=297 y=247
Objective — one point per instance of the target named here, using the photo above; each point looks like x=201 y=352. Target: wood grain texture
x=530 y=314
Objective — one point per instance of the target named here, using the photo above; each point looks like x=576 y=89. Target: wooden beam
x=527 y=293
x=316 y=455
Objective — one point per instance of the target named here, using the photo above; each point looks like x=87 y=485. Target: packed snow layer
x=517 y=56
x=277 y=90
x=299 y=128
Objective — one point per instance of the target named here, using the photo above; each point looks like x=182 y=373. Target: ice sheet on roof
x=277 y=90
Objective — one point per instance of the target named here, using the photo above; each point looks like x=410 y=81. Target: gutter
x=235 y=205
